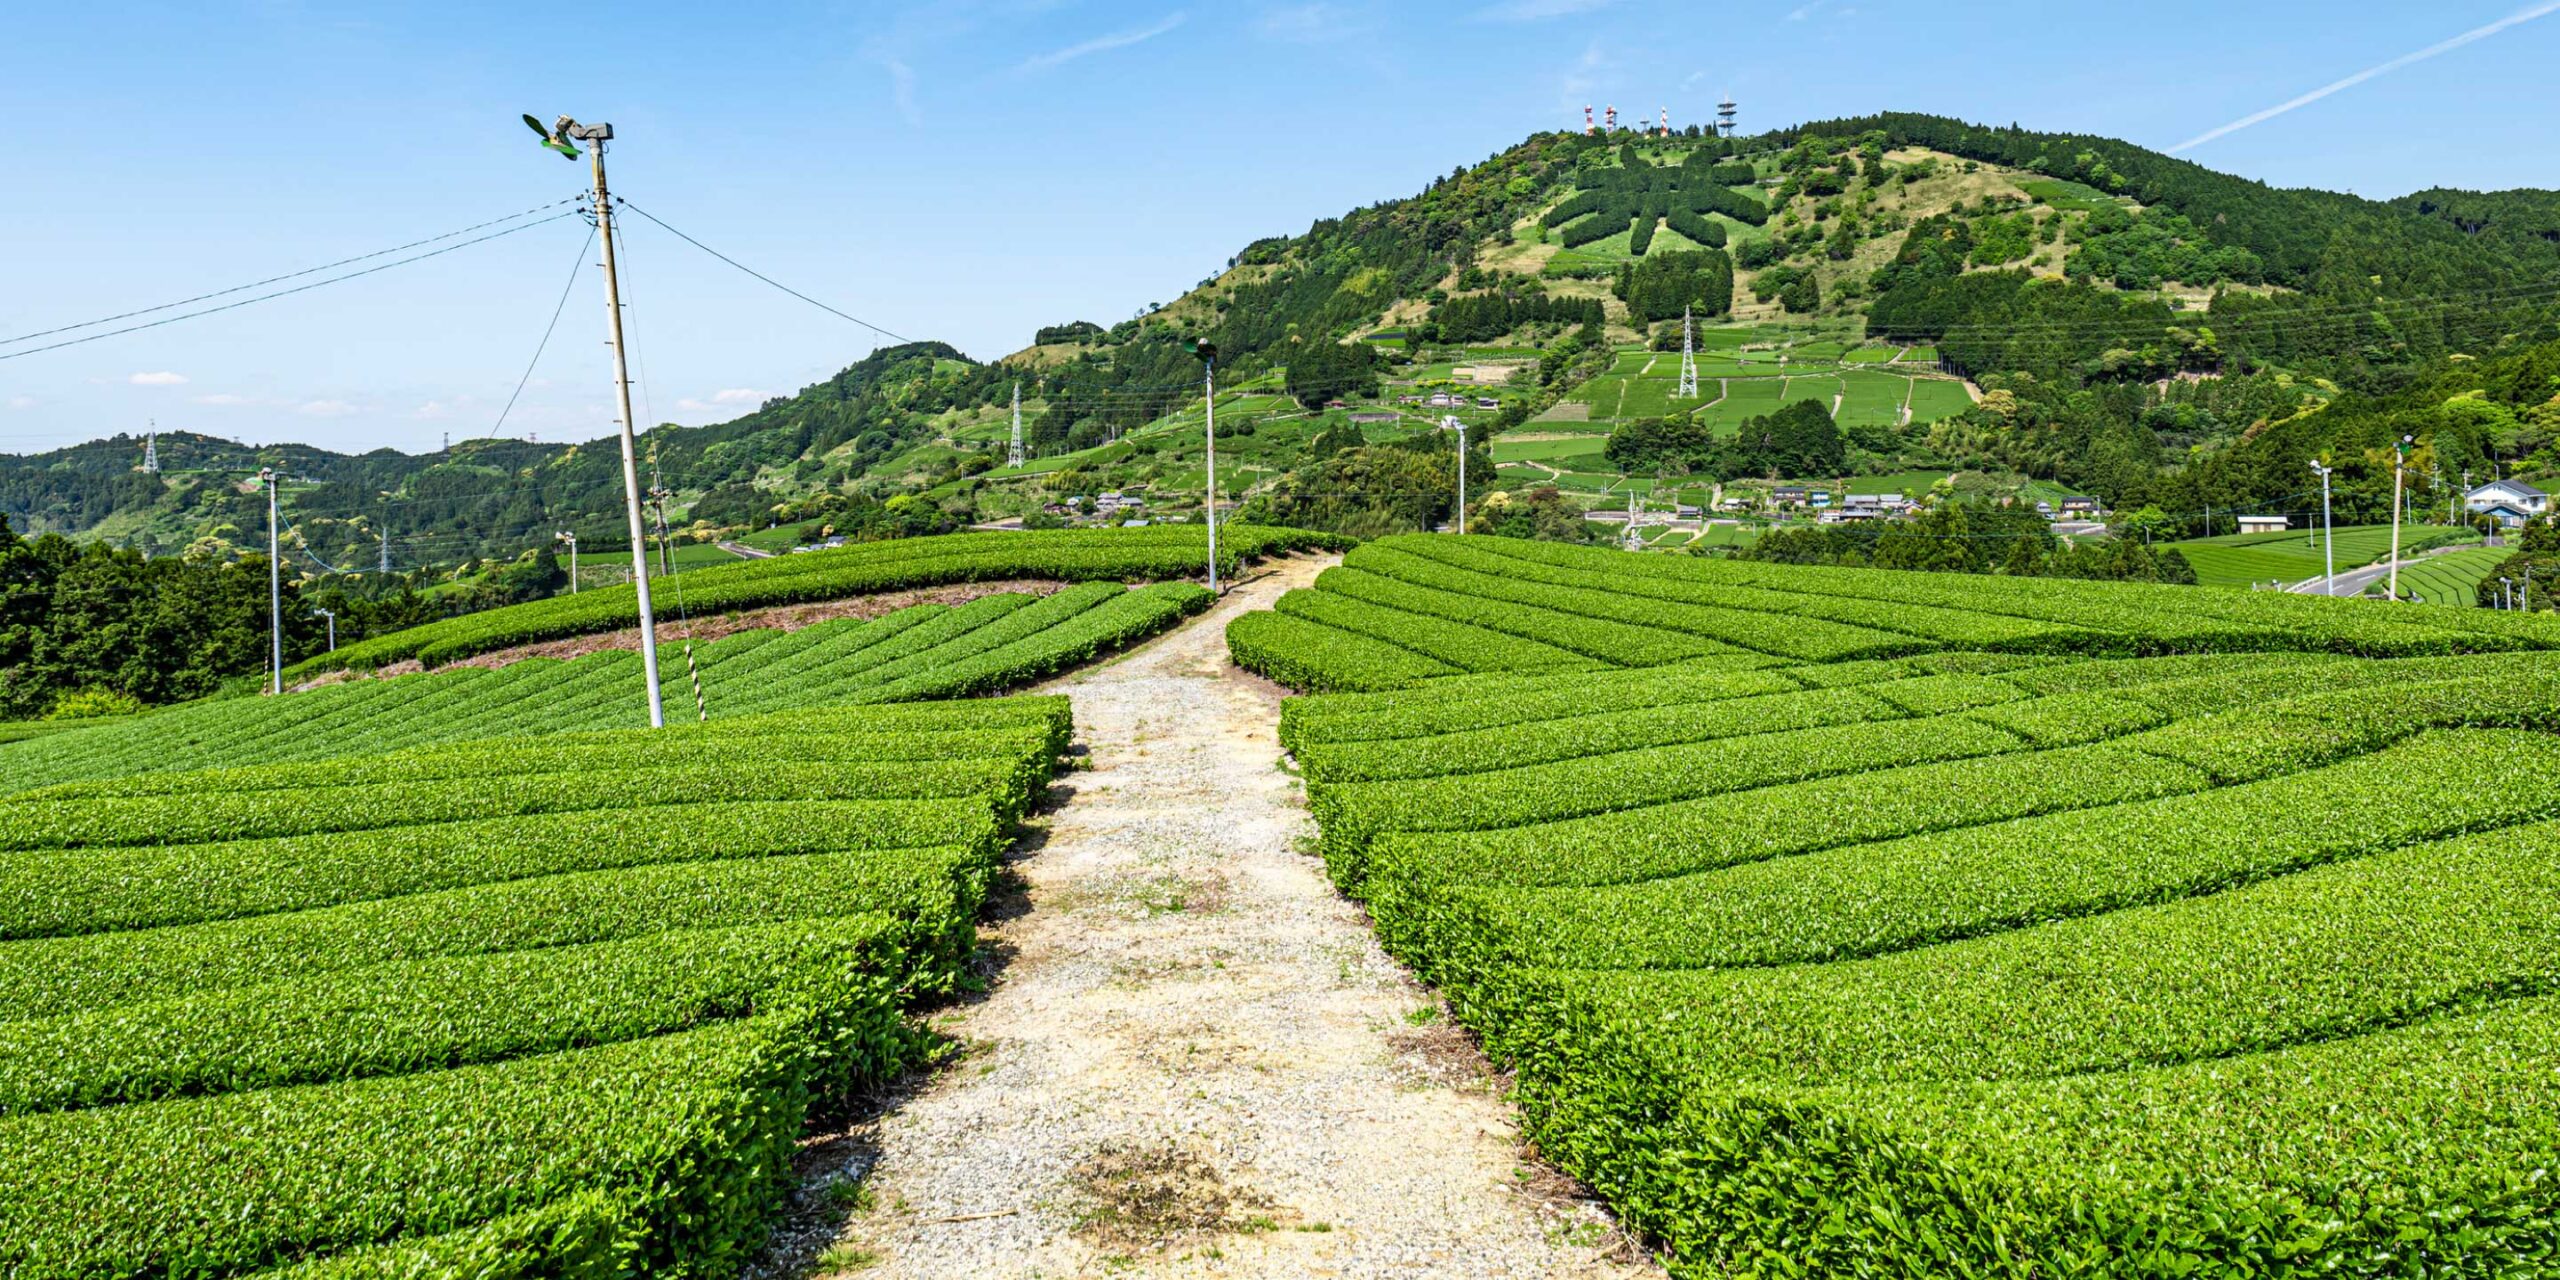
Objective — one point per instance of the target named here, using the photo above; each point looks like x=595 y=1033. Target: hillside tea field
x=515 y=1006
x=1153 y=553
x=1862 y=923
x=927 y=651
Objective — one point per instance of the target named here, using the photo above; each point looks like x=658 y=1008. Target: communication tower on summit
x=1665 y=130
x=151 y=450
x=1588 y=128
x=1610 y=120
x=1014 y=458
x=1724 y=117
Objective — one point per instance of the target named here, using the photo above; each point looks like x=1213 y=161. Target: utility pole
x=1208 y=354
x=658 y=504
x=2399 y=465
x=1459 y=425
x=572 y=539
x=275 y=591
x=333 y=626
x=562 y=136
x=2329 y=584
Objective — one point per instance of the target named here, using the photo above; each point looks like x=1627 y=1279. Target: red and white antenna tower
x=1613 y=120
x=1587 y=126
x=1665 y=130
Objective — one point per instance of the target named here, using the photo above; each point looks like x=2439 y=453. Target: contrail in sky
x=2448 y=46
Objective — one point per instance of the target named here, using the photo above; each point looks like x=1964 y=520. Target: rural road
x=1195 y=1059
x=744 y=551
x=2352 y=582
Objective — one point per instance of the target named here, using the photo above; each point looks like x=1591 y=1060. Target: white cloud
x=1102 y=44
x=1539 y=10
x=728 y=398
x=1310 y=24
x=222 y=400
x=326 y=408
x=1584 y=76
x=163 y=378
x=902 y=89
x=1806 y=10
x=22 y=402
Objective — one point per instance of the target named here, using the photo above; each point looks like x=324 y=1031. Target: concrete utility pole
x=562 y=137
x=1459 y=425
x=333 y=626
x=275 y=590
x=1208 y=355
x=572 y=539
x=2399 y=465
x=2329 y=584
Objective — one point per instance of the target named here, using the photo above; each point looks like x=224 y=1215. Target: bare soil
x=1193 y=1059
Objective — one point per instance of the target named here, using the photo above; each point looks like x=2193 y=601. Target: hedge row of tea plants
x=1634 y=611
x=2082 y=930
x=929 y=651
x=524 y=1006
x=1159 y=552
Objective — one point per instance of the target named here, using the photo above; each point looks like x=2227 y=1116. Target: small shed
x=2262 y=524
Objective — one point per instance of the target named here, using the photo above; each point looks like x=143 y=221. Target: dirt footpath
x=1195 y=1060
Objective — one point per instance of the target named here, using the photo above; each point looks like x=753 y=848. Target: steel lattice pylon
x=1688 y=358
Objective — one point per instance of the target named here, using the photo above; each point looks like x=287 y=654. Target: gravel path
x=1195 y=1060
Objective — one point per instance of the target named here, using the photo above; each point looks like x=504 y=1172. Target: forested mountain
x=2135 y=324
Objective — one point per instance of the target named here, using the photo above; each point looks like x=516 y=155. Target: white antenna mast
x=151 y=449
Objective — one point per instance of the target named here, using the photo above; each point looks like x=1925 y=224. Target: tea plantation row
x=515 y=1006
x=1404 y=610
x=991 y=644
x=1155 y=553
x=1917 y=926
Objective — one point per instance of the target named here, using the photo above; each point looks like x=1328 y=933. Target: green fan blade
x=566 y=151
x=536 y=126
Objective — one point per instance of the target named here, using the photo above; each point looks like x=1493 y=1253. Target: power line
x=290 y=275
x=264 y=297
x=575 y=264
x=626 y=203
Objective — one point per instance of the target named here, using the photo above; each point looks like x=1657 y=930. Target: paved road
x=742 y=549
x=2354 y=581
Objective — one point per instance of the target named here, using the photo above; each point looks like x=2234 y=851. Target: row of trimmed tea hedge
x=1408 y=609
x=312 y=1016
x=2228 y=965
x=1063 y=555
x=923 y=652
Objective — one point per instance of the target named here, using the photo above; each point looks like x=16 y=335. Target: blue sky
x=971 y=169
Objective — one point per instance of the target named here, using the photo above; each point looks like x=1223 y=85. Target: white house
x=2510 y=502
x=2262 y=524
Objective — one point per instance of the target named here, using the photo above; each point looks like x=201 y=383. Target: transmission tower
x=386 y=549
x=1014 y=459
x=151 y=450
x=1724 y=117
x=1688 y=358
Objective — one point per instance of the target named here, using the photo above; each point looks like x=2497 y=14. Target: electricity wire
x=290 y=275
x=757 y=274
x=304 y=288
x=575 y=265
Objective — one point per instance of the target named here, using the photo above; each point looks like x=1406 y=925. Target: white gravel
x=1187 y=981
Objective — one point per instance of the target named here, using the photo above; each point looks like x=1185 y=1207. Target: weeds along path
x=1194 y=1059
